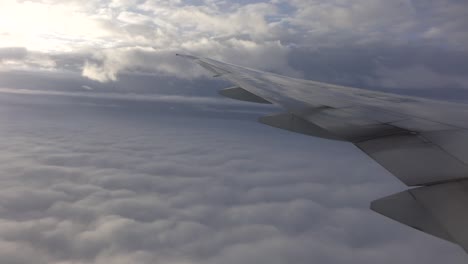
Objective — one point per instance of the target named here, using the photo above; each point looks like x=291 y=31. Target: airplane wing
x=422 y=142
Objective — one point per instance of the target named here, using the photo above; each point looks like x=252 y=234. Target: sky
x=114 y=150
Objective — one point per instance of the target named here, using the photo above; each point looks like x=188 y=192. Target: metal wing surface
x=422 y=142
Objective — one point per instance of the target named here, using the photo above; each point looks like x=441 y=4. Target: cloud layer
x=104 y=39
x=113 y=150
x=94 y=184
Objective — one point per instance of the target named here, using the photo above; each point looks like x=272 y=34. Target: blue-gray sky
x=113 y=150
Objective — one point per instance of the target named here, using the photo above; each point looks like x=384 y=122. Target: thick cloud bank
x=110 y=183
x=406 y=44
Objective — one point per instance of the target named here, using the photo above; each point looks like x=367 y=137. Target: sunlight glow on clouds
x=106 y=36
x=42 y=26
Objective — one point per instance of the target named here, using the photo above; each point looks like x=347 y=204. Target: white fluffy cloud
x=138 y=35
x=97 y=185
x=144 y=35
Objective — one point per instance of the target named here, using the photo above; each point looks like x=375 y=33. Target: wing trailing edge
x=237 y=93
x=439 y=210
x=293 y=123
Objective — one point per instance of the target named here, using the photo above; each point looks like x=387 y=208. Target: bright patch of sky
x=55 y=26
x=111 y=37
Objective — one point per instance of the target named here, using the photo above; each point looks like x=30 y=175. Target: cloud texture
x=113 y=150
x=104 y=39
x=98 y=184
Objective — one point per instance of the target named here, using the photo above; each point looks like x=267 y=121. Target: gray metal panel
x=413 y=160
x=296 y=124
x=238 y=93
x=454 y=142
x=350 y=126
x=372 y=113
x=404 y=208
x=420 y=125
x=448 y=204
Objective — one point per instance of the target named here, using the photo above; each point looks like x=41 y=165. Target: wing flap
x=237 y=93
x=293 y=123
x=404 y=208
x=447 y=203
x=439 y=210
x=353 y=124
x=414 y=160
x=416 y=151
x=452 y=141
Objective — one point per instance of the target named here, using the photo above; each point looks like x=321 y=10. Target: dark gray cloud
x=409 y=69
x=13 y=53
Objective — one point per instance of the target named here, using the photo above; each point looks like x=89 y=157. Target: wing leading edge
x=422 y=142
